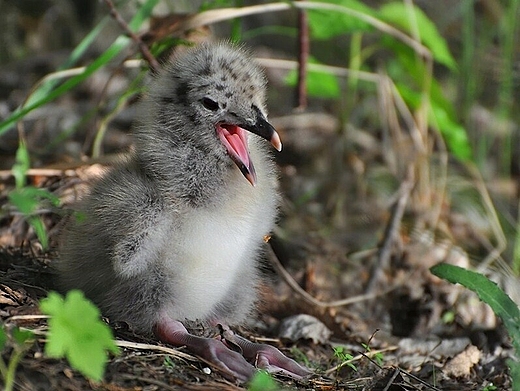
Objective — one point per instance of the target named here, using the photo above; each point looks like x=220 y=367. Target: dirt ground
x=398 y=310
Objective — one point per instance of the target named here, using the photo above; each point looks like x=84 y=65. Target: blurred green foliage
x=491 y=294
x=77 y=332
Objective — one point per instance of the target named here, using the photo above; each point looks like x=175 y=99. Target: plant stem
x=236 y=24
x=304 y=47
x=3 y=369
x=506 y=97
x=16 y=356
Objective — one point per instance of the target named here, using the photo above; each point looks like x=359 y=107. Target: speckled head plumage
x=223 y=72
x=208 y=100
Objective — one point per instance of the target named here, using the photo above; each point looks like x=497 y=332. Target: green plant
x=343 y=356
x=22 y=341
x=411 y=74
x=28 y=199
x=491 y=294
x=320 y=84
x=77 y=333
x=378 y=357
x=168 y=362
x=263 y=381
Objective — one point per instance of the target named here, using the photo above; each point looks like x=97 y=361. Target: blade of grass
x=223 y=14
x=516 y=248
x=44 y=88
x=505 y=94
x=489 y=292
x=117 y=46
x=134 y=89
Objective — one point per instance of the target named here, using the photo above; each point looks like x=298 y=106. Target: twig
x=306 y=296
x=26 y=317
x=222 y=14
x=398 y=371
x=47 y=172
x=154 y=65
x=391 y=380
x=303 y=35
x=392 y=229
x=493 y=219
x=162 y=385
x=164 y=349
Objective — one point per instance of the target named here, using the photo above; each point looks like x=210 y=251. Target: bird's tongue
x=234 y=140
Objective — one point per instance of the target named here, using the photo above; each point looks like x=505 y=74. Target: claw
x=271 y=359
x=222 y=354
x=232 y=364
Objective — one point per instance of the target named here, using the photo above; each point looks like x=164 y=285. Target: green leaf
x=77 y=333
x=489 y=293
x=3 y=337
x=262 y=381
x=454 y=134
x=23 y=201
x=319 y=84
x=398 y=14
x=442 y=115
x=168 y=362
x=22 y=165
x=27 y=199
x=37 y=224
x=22 y=336
x=514 y=367
x=215 y=4
x=326 y=24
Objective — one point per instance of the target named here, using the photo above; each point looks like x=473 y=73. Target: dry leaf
x=461 y=364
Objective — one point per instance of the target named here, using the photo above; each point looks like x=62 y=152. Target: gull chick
x=173 y=233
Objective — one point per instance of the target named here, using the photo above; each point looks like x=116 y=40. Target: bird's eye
x=210 y=104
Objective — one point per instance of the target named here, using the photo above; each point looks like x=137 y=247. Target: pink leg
x=266 y=356
x=231 y=363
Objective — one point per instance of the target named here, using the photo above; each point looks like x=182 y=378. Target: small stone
x=304 y=326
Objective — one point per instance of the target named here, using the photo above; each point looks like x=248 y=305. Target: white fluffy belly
x=215 y=244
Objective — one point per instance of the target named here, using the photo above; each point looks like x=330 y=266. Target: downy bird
x=173 y=233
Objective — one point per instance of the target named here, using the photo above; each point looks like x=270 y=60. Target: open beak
x=234 y=139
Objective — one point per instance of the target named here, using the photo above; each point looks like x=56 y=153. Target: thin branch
x=26 y=317
x=158 y=383
x=154 y=65
x=145 y=346
x=306 y=296
x=392 y=379
x=220 y=15
x=392 y=229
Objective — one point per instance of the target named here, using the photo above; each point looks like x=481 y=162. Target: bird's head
x=220 y=93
